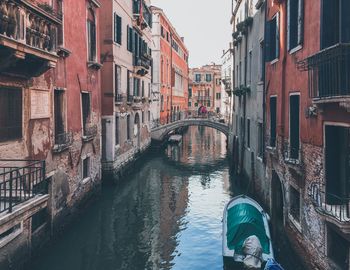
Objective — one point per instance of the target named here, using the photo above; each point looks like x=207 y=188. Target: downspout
x=264 y=90
x=282 y=128
x=171 y=76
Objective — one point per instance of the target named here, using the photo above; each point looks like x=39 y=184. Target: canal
x=166 y=214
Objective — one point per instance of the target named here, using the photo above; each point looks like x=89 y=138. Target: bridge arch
x=160 y=133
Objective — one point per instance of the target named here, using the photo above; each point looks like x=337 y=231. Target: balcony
x=329 y=74
x=145 y=19
x=28 y=38
x=335 y=209
x=203 y=98
x=90 y=133
x=118 y=99
x=137 y=103
x=228 y=86
x=142 y=64
x=62 y=142
x=20 y=181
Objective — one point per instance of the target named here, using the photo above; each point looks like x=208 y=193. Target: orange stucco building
x=170 y=68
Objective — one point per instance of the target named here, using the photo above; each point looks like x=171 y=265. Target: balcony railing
x=29 y=34
x=329 y=204
x=90 y=133
x=329 y=72
x=203 y=98
x=119 y=98
x=20 y=181
x=63 y=141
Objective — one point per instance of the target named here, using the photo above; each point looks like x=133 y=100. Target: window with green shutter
x=117 y=29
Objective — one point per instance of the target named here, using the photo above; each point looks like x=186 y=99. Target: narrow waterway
x=166 y=214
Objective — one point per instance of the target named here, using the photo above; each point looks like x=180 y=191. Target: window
x=190 y=92
x=337 y=249
x=196 y=104
x=59 y=116
x=208 y=77
x=142 y=117
x=128 y=127
x=10 y=114
x=91 y=28
x=273 y=120
x=117 y=29
x=162 y=32
x=273 y=39
x=260 y=140
x=250 y=68
x=136 y=87
x=85 y=98
x=86 y=167
x=162 y=103
x=294 y=116
x=117 y=81
x=218 y=96
x=337 y=165
x=335 y=21
x=189 y=104
x=198 y=77
x=116 y=130
x=149 y=116
x=295 y=10
x=128 y=83
x=130 y=36
x=262 y=62
x=143 y=89
x=167 y=36
x=248 y=133
x=294 y=197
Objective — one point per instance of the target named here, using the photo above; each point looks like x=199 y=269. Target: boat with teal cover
x=245 y=220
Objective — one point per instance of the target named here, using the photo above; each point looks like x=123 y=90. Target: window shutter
x=288 y=24
x=277 y=35
x=115 y=28
x=119 y=30
x=267 y=39
x=93 y=41
x=301 y=22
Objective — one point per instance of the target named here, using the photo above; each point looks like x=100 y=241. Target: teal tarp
x=244 y=220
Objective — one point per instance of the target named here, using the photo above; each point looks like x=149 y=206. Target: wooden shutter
x=115 y=28
x=267 y=43
x=93 y=41
x=119 y=30
x=300 y=22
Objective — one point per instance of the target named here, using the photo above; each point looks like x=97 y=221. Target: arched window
x=91 y=35
x=162 y=103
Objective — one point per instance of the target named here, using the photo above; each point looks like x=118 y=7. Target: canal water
x=166 y=214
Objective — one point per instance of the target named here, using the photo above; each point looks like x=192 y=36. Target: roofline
x=155 y=9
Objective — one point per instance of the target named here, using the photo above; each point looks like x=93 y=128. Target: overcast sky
x=205 y=24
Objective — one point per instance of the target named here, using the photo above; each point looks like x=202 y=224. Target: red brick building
x=49 y=119
x=308 y=126
x=170 y=67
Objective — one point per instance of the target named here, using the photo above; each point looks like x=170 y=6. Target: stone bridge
x=159 y=133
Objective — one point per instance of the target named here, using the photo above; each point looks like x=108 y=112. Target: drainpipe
x=264 y=90
x=171 y=76
x=284 y=61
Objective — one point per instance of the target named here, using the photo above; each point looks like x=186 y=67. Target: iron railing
x=63 y=141
x=330 y=204
x=20 y=181
x=90 y=132
x=329 y=72
x=118 y=98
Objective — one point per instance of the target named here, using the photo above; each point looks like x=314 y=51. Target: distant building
x=126 y=37
x=170 y=69
x=50 y=113
x=227 y=85
x=206 y=88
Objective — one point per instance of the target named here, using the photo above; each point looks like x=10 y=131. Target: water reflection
x=166 y=215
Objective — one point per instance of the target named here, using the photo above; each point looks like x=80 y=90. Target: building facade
x=248 y=92
x=49 y=119
x=206 y=88
x=126 y=38
x=308 y=126
x=227 y=85
x=170 y=73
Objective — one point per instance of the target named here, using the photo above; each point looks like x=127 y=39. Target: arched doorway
x=277 y=203
x=137 y=131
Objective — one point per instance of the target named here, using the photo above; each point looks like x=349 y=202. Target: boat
x=246 y=238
